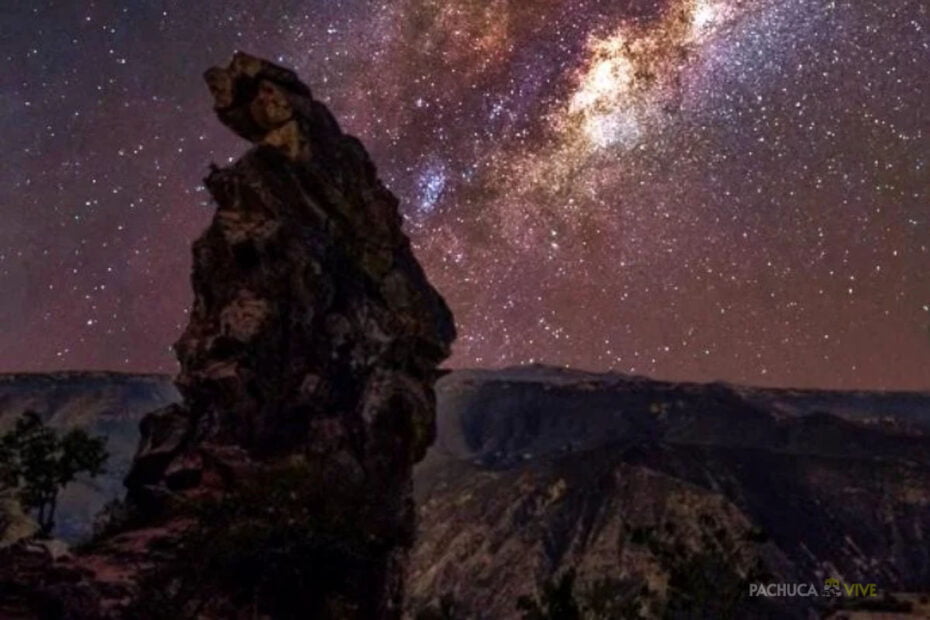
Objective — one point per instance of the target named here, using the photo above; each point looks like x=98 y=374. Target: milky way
x=688 y=189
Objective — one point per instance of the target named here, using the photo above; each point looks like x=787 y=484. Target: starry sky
x=688 y=189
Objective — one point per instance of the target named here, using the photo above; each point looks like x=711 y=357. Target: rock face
x=311 y=353
x=314 y=333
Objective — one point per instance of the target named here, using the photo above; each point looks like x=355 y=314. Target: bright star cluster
x=689 y=189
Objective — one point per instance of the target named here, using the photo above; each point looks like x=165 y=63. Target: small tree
x=36 y=463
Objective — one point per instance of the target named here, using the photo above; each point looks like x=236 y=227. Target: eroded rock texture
x=314 y=329
x=310 y=355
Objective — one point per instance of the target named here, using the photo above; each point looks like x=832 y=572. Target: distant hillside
x=659 y=490
x=640 y=482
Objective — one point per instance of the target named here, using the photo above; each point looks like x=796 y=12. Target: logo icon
x=831 y=587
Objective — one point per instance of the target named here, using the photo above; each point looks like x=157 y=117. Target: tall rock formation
x=307 y=373
x=314 y=333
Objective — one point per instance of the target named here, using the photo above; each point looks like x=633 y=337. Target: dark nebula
x=691 y=189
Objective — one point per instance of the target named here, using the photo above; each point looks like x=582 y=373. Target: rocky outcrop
x=313 y=327
x=310 y=358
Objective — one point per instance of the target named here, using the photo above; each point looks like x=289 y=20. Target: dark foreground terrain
x=661 y=496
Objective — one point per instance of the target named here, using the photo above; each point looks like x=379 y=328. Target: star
x=690 y=189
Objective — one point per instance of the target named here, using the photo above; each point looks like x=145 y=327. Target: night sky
x=688 y=189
